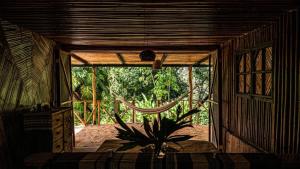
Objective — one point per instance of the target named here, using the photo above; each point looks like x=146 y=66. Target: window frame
x=253 y=72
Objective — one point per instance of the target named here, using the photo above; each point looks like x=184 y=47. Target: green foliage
x=167 y=84
x=160 y=132
x=143 y=86
x=82 y=82
x=130 y=82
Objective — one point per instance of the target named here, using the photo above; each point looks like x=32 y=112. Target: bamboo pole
x=89 y=117
x=110 y=116
x=209 y=97
x=133 y=113
x=84 y=112
x=99 y=115
x=94 y=94
x=191 y=90
x=79 y=118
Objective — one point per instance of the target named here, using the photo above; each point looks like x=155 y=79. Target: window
x=245 y=73
x=254 y=72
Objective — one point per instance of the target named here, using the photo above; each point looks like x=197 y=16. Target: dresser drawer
x=58 y=146
x=58 y=133
x=57 y=119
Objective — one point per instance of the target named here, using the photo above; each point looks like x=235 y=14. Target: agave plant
x=160 y=133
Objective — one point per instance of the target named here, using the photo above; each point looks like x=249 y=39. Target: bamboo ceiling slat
x=115 y=24
x=97 y=58
x=164 y=23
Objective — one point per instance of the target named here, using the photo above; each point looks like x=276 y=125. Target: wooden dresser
x=50 y=131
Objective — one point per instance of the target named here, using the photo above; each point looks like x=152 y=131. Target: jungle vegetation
x=146 y=87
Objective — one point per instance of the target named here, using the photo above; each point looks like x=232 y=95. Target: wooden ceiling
x=133 y=24
x=83 y=58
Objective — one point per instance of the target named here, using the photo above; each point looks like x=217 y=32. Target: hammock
x=155 y=110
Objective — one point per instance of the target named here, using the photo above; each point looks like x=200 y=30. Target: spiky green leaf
x=122 y=124
x=147 y=128
x=191 y=112
x=178 y=138
x=155 y=128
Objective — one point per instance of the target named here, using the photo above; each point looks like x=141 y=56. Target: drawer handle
x=58 y=146
x=57 y=132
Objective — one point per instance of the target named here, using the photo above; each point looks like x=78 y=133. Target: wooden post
x=94 y=94
x=209 y=97
x=220 y=99
x=133 y=113
x=191 y=90
x=84 y=112
x=99 y=115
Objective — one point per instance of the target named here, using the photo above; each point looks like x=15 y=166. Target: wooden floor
x=91 y=137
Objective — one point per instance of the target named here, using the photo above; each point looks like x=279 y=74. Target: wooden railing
x=85 y=115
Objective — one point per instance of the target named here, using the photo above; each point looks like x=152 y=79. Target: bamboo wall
x=269 y=124
x=26 y=64
x=65 y=77
x=26 y=61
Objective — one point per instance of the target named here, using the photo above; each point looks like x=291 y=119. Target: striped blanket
x=109 y=160
x=221 y=161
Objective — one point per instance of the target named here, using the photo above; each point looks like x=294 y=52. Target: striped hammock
x=164 y=107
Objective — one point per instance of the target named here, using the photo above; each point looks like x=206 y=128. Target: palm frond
x=124 y=134
x=155 y=128
x=139 y=135
x=178 y=111
x=122 y=124
x=178 y=138
x=191 y=112
x=147 y=128
x=160 y=132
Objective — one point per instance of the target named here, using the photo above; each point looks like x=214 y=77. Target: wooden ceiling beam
x=78 y=58
x=139 y=65
x=199 y=62
x=121 y=58
x=67 y=47
x=163 y=58
x=147 y=3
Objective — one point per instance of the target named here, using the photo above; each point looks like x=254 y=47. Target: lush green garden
x=146 y=87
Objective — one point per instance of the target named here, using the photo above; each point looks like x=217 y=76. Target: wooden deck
x=91 y=137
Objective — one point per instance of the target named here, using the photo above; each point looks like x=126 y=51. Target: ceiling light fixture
x=147 y=55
